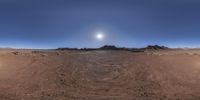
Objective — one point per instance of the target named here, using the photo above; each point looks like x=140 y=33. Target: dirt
x=100 y=75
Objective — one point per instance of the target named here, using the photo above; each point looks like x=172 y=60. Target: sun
x=99 y=36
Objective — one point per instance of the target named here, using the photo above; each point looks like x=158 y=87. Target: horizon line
x=46 y=48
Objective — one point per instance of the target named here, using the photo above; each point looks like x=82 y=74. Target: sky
x=74 y=23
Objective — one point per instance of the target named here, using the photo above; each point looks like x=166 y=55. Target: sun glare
x=100 y=36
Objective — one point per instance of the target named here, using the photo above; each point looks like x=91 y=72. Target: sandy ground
x=100 y=75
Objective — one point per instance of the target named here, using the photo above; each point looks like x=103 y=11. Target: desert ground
x=100 y=75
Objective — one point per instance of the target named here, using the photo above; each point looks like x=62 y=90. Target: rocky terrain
x=99 y=75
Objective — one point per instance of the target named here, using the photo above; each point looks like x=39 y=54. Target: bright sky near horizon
x=75 y=23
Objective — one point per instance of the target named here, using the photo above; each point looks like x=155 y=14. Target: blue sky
x=73 y=23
